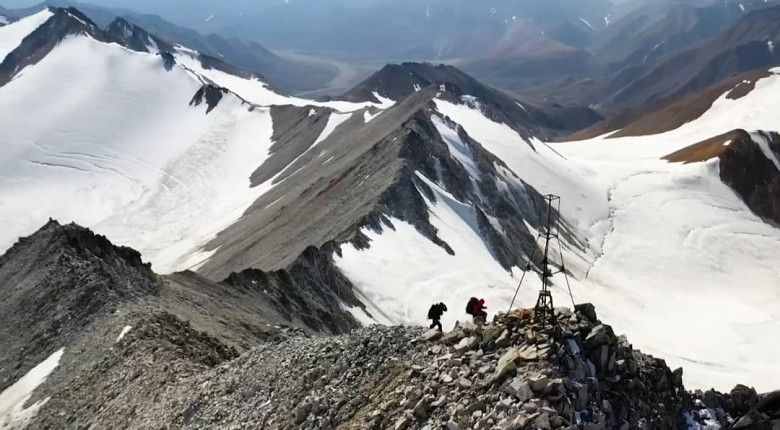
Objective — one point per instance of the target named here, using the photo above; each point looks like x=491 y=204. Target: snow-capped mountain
x=419 y=185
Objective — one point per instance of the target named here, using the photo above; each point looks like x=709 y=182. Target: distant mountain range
x=287 y=75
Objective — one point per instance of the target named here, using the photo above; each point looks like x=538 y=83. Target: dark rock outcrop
x=57 y=282
x=750 y=172
x=136 y=38
x=396 y=81
x=209 y=93
x=311 y=292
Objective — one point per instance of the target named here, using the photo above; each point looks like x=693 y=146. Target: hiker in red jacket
x=476 y=308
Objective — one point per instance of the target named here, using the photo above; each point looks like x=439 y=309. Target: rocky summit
x=512 y=373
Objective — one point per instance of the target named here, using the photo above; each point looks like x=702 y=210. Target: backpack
x=470 y=305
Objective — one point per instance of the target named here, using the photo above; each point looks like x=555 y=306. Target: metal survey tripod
x=549 y=217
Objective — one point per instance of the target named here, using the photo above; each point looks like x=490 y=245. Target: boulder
x=468 y=327
x=463 y=346
x=421 y=409
x=538 y=382
x=464 y=383
x=431 y=335
x=507 y=363
x=520 y=389
x=402 y=423
x=748 y=421
x=542 y=422
x=522 y=422
x=503 y=339
x=453 y=336
x=600 y=335
x=588 y=311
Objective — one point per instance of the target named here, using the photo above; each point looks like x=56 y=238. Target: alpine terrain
x=184 y=245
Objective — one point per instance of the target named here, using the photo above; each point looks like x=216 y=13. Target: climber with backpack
x=435 y=313
x=476 y=308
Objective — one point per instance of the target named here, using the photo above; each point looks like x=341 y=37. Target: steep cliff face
x=751 y=168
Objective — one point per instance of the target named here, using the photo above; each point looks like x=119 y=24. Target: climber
x=434 y=314
x=476 y=308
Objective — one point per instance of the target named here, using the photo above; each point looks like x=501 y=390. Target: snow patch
x=123 y=332
x=384 y=102
x=742 y=7
x=471 y=101
x=770 y=46
x=210 y=18
x=586 y=23
x=367 y=116
x=522 y=107
x=13 y=414
x=334 y=120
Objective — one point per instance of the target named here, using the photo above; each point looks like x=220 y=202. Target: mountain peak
x=64 y=22
x=136 y=38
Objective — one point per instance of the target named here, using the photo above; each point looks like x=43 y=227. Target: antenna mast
x=544 y=309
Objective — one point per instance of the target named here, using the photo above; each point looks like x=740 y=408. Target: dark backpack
x=470 y=305
x=431 y=312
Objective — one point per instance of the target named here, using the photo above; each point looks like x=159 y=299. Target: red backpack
x=470 y=305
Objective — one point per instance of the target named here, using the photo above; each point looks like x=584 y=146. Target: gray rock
x=507 y=363
x=431 y=335
x=503 y=339
x=402 y=423
x=520 y=389
x=542 y=422
x=538 y=382
x=600 y=335
x=463 y=346
x=422 y=408
x=468 y=327
x=464 y=383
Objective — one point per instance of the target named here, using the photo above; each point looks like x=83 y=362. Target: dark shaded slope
x=750 y=172
x=136 y=38
x=396 y=81
x=362 y=176
x=671 y=114
x=54 y=284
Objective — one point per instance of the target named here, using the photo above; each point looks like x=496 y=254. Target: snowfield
x=674 y=258
x=110 y=142
x=105 y=137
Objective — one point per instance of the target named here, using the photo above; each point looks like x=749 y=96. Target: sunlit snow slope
x=673 y=257
x=105 y=136
x=11 y=35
